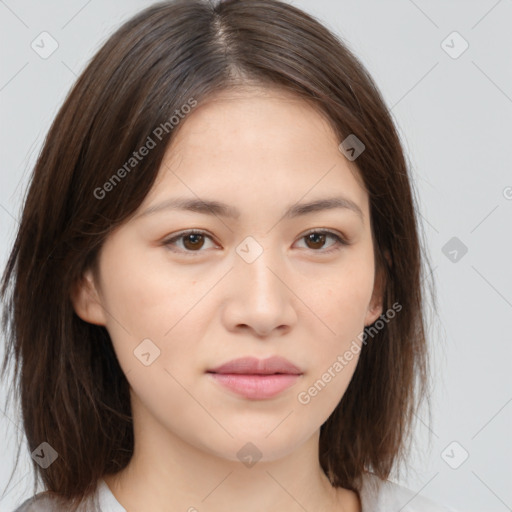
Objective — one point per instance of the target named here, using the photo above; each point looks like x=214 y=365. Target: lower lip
x=256 y=387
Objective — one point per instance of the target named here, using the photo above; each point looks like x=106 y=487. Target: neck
x=166 y=473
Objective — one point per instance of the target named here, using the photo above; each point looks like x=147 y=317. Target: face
x=261 y=276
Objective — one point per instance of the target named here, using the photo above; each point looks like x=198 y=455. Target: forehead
x=257 y=141
x=240 y=114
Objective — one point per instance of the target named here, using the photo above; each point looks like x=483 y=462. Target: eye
x=316 y=240
x=192 y=241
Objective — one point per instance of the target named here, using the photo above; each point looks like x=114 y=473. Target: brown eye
x=316 y=240
x=193 y=241
x=188 y=242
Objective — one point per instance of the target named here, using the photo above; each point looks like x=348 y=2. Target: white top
x=376 y=496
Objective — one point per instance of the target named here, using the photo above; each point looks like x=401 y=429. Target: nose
x=260 y=296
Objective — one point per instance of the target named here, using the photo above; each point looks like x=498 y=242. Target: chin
x=253 y=445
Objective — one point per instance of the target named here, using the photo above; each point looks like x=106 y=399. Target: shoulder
x=102 y=500
x=41 y=502
x=386 y=496
x=44 y=502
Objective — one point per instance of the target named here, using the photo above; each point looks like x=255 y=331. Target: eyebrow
x=210 y=207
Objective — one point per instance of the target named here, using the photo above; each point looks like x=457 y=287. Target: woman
x=214 y=297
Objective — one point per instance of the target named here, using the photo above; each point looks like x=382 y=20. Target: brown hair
x=73 y=392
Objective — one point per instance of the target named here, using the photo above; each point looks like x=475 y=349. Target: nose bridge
x=259 y=299
x=258 y=266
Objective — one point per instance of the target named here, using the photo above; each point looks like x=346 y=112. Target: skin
x=259 y=150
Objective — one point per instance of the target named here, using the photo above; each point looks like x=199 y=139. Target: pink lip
x=257 y=378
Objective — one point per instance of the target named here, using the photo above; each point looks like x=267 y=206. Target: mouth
x=256 y=379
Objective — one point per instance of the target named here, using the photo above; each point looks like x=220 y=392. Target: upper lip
x=255 y=366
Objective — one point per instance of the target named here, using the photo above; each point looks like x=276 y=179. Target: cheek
x=156 y=303
x=146 y=297
x=343 y=301
x=328 y=379
x=157 y=393
x=341 y=304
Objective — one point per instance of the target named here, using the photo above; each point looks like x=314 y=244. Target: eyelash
x=340 y=241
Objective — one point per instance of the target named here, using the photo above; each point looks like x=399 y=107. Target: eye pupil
x=193 y=241
x=318 y=239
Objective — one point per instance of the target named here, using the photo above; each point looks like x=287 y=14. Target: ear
x=86 y=300
x=375 y=307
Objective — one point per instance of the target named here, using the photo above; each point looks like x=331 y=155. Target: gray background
x=454 y=116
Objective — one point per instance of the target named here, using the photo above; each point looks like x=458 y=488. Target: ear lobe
x=374 y=311
x=86 y=300
x=376 y=303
